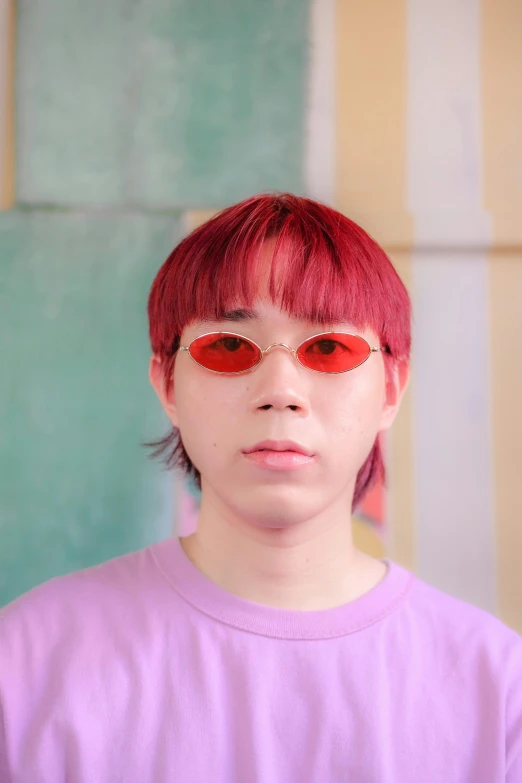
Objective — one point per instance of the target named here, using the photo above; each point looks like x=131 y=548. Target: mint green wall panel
x=76 y=487
x=168 y=103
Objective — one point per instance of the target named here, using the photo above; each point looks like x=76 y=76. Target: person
x=265 y=647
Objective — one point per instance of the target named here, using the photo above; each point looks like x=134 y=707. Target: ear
x=164 y=388
x=396 y=383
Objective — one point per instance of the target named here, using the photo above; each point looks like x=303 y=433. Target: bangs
x=324 y=269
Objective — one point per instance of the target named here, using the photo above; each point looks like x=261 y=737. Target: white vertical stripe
x=4 y=47
x=453 y=477
x=319 y=133
x=452 y=437
x=444 y=176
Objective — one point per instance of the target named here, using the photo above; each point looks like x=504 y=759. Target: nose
x=280 y=381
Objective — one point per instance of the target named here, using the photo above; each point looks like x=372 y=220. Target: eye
x=326 y=347
x=229 y=344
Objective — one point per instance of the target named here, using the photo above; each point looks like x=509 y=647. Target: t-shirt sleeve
x=14 y=648
x=5 y=776
x=513 y=668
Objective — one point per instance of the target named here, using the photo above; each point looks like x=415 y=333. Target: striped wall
x=428 y=117
x=413 y=128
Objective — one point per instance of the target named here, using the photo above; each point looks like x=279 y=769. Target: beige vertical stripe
x=7 y=51
x=370 y=113
x=506 y=379
x=401 y=538
x=502 y=100
x=502 y=135
x=370 y=187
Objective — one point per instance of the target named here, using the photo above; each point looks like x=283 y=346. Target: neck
x=310 y=565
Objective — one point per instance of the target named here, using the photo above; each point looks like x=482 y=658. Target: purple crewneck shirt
x=141 y=670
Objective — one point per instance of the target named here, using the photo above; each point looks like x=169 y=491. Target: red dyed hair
x=333 y=271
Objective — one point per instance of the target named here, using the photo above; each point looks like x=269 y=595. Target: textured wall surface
x=75 y=402
x=428 y=115
x=128 y=114
x=170 y=104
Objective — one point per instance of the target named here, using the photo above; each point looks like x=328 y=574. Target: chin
x=267 y=509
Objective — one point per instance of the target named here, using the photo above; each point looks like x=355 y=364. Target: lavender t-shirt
x=141 y=670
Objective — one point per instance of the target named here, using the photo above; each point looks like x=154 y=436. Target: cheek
x=206 y=413
x=354 y=411
x=203 y=398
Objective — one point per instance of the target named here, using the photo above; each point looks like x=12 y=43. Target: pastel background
x=124 y=124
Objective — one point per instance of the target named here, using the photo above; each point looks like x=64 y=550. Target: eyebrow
x=237 y=316
x=243 y=315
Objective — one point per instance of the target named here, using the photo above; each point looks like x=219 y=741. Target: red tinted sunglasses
x=328 y=352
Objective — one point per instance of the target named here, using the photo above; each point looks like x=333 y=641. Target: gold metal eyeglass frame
x=283 y=345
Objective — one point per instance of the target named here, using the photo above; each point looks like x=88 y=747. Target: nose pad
x=282 y=345
x=275 y=345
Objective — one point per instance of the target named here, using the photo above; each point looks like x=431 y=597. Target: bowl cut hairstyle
x=325 y=268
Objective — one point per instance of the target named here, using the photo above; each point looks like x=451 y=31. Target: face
x=335 y=416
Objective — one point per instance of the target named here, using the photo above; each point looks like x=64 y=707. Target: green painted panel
x=172 y=103
x=76 y=487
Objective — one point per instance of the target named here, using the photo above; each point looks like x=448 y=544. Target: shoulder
x=459 y=638
x=471 y=646
x=75 y=604
x=458 y=629
x=454 y=620
x=76 y=640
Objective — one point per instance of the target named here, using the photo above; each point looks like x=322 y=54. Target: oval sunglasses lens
x=224 y=352
x=333 y=352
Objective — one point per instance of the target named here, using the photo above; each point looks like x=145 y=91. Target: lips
x=278 y=460
x=280 y=445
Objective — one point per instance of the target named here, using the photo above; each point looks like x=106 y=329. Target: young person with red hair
x=265 y=647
